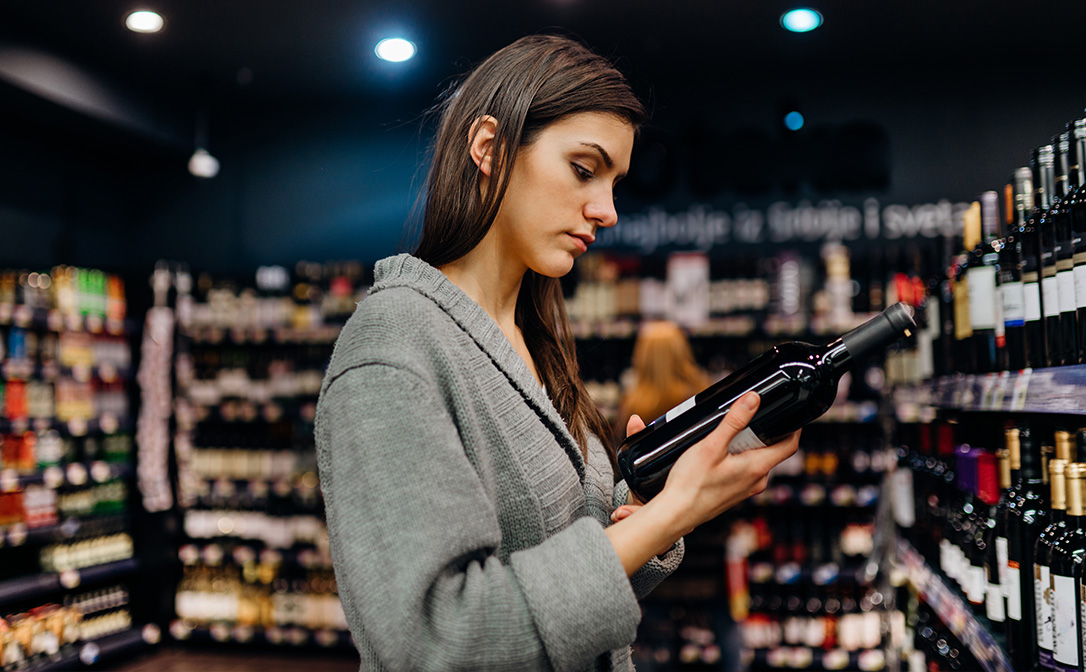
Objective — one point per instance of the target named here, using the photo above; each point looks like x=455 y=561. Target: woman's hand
x=703 y=483
x=707 y=480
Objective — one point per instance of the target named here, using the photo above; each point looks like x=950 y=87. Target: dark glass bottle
x=985 y=304
x=995 y=602
x=1044 y=179
x=1030 y=236
x=1042 y=594
x=1060 y=216
x=797 y=383
x=1077 y=209
x=1066 y=577
x=1026 y=520
x=964 y=355
x=1010 y=275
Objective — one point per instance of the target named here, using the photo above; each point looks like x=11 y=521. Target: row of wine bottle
x=1019 y=295
x=1010 y=528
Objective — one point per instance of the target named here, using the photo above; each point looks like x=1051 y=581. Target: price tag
x=220 y=632
x=23 y=315
x=179 y=630
x=100 y=471
x=1021 y=389
x=89 y=653
x=77 y=473
x=151 y=634
x=9 y=481
x=70 y=578
x=17 y=534
x=53 y=477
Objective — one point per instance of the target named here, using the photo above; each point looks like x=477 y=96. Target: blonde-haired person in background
x=665 y=374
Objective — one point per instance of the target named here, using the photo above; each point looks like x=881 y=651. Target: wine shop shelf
x=99 y=650
x=20 y=535
x=952 y=611
x=72 y=474
x=25 y=588
x=1051 y=390
x=290 y=636
x=806 y=658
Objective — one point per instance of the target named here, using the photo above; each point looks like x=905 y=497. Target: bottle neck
x=836 y=356
x=1044 y=177
x=1062 y=167
x=1078 y=142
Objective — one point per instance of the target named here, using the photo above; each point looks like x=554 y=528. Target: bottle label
x=1041 y=589
x=963 y=328
x=978 y=583
x=904 y=502
x=1014 y=591
x=994 y=605
x=1066 y=282
x=745 y=440
x=1014 y=303
x=1065 y=621
x=1001 y=562
x=982 y=297
x=680 y=409
x=1050 y=287
x=1080 y=286
x=1031 y=295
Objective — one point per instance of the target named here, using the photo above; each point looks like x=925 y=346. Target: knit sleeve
x=659 y=567
x=414 y=538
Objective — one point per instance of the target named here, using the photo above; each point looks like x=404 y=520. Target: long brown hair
x=525 y=86
x=665 y=371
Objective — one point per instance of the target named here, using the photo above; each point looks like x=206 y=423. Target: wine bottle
x=797 y=383
x=985 y=304
x=1042 y=593
x=1010 y=276
x=1030 y=237
x=1044 y=179
x=964 y=354
x=1025 y=522
x=1066 y=576
x=1060 y=215
x=995 y=602
x=1077 y=207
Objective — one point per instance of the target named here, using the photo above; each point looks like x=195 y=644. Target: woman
x=665 y=373
x=467 y=492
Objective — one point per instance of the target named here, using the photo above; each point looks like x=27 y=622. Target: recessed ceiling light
x=801 y=20
x=144 y=22
x=394 y=49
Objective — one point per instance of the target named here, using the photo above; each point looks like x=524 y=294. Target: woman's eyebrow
x=603 y=152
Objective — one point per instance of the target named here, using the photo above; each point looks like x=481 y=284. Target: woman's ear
x=481 y=143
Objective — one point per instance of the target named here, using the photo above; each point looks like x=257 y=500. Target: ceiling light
x=144 y=22
x=793 y=121
x=202 y=164
x=801 y=20
x=394 y=49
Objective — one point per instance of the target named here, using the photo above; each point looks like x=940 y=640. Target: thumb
x=738 y=416
x=634 y=424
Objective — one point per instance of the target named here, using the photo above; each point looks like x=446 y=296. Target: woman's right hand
x=707 y=480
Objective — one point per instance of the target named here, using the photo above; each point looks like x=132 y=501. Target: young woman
x=469 y=498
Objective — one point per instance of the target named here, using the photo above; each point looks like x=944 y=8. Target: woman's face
x=561 y=191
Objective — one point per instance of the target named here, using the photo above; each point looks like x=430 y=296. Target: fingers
x=764 y=459
x=623 y=511
x=737 y=417
x=634 y=424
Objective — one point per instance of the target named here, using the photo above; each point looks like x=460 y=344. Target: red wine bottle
x=797 y=383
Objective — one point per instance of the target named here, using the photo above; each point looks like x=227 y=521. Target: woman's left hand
x=633 y=425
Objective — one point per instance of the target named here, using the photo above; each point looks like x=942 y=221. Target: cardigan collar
x=405 y=270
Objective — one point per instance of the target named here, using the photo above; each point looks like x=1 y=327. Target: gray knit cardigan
x=467 y=531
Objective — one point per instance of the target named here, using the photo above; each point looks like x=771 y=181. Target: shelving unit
x=66 y=471
x=247 y=364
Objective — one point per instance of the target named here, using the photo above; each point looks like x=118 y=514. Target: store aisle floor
x=178 y=659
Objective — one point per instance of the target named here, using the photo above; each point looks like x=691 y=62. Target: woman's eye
x=582 y=172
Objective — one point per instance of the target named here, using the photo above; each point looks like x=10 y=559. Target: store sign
x=703 y=228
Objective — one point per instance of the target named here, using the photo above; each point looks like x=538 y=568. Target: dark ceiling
x=323 y=49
